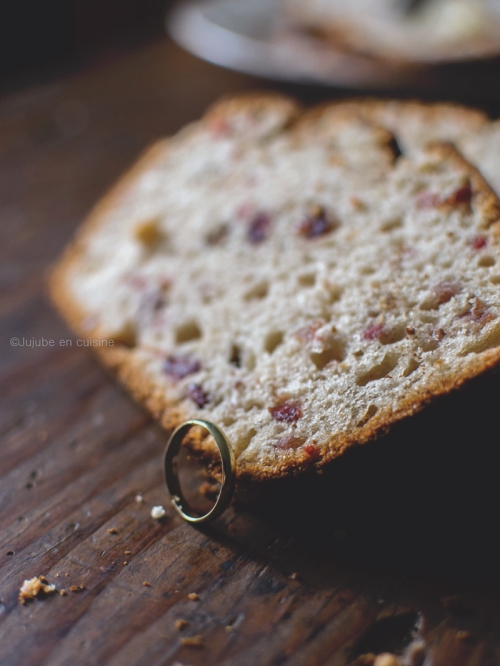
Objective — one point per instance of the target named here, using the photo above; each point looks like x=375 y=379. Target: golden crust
x=125 y=363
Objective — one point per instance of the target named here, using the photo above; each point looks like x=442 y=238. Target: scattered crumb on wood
x=193 y=596
x=367 y=659
x=63 y=593
x=77 y=588
x=294 y=575
x=386 y=659
x=181 y=624
x=139 y=498
x=128 y=552
x=33 y=587
x=112 y=530
x=157 y=512
x=192 y=641
x=66 y=575
x=126 y=562
x=147 y=583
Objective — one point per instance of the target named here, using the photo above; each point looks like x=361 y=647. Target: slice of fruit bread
x=289 y=280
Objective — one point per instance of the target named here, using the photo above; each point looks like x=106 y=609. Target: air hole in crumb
x=370 y=412
x=334 y=292
x=335 y=352
x=411 y=366
x=126 y=336
x=235 y=356
x=486 y=261
x=187 y=332
x=307 y=280
x=247 y=438
x=390 y=224
x=258 y=291
x=495 y=279
x=367 y=270
x=428 y=343
x=378 y=371
x=395 y=148
x=273 y=340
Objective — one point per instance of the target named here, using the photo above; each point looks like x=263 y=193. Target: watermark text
x=50 y=342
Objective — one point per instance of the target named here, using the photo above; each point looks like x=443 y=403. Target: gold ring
x=228 y=471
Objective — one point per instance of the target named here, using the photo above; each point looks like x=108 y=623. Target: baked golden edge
x=144 y=391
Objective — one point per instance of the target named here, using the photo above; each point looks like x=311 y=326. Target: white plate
x=251 y=36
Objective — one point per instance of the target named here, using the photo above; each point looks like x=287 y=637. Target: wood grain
x=398 y=548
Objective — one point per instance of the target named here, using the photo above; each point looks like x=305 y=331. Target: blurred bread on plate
x=421 y=31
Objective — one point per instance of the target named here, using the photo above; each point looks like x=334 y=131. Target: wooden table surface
x=396 y=551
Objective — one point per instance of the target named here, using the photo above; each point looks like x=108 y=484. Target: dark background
x=45 y=38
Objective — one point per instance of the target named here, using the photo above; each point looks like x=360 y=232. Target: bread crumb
x=128 y=552
x=66 y=575
x=192 y=641
x=112 y=530
x=77 y=588
x=139 y=498
x=193 y=596
x=386 y=659
x=294 y=575
x=126 y=562
x=181 y=624
x=33 y=587
x=147 y=583
x=63 y=593
x=157 y=512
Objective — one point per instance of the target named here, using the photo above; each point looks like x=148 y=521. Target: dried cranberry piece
x=258 y=228
x=317 y=223
x=374 y=332
x=181 y=366
x=311 y=450
x=288 y=411
x=427 y=199
x=198 y=395
x=479 y=242
x=444 y=291
x=461 y=196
